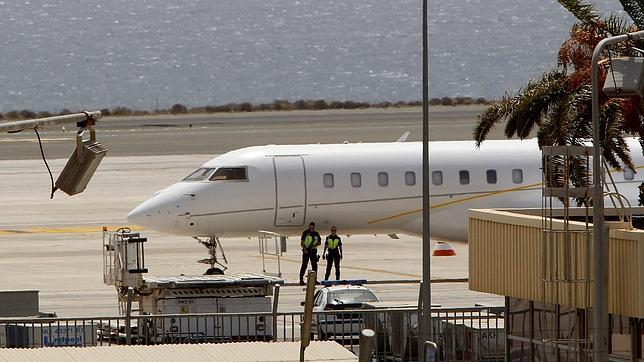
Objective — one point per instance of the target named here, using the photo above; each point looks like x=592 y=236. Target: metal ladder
x=566 y=249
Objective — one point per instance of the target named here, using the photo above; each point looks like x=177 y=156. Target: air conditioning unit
x=625 y=78
x=82 y=164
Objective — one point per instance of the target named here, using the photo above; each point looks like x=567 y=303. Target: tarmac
x=218 y=133
x=55 y=245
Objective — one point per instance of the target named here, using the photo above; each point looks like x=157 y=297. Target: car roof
x=334 y=288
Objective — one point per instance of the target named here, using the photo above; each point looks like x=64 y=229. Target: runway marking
x=62 y=230
x=348 y=267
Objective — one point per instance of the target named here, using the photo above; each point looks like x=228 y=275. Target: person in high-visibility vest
x=310 y=241
x=333 y=244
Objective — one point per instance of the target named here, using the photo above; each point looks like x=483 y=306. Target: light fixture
x=625 y=78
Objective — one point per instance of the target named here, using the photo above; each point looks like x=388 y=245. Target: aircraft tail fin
x=404 y=137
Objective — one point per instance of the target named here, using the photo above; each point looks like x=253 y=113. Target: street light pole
x=426 y=298
x=18 y=126
x=600 y=244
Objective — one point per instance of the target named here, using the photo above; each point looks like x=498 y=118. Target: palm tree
x=558 y=104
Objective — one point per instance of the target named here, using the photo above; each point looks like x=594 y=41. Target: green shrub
x=121 y=111
x=302 y=104
x=245 y=107
x=281 y=105
x=446 y=101
x=178 y=109
x=27 y=114
x=464 y=100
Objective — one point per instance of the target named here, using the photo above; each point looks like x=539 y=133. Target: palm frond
x=558 y=104
x=492 y=115
x=534 y=102
x=555 y=127
x=585 y=12
x=614 y=146
x=615 y=24
x=634 y=9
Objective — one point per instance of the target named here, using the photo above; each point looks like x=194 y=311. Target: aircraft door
x=290 y=190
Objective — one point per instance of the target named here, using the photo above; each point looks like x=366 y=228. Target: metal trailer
x=185 y=295
x=124 y=266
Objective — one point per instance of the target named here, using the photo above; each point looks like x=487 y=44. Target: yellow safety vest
x=332 y=243
x=308 y=241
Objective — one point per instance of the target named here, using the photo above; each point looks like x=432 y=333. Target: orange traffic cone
x=443 y=249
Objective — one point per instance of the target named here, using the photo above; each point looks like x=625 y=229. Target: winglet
x=404 y=136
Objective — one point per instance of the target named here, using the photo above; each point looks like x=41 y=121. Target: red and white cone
x=443 y=249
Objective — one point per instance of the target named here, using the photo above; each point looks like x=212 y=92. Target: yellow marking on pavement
x=343 y=266
x=470 y=198
x=457 y=201
x=62 y=230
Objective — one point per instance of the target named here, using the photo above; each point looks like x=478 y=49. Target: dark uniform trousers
x=331 y=259
x=312 y=255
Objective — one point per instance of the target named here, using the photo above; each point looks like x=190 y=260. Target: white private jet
x=362 y=188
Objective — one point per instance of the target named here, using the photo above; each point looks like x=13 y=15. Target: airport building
x=547 y=284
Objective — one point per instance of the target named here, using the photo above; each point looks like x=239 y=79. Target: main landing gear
x=212 y=244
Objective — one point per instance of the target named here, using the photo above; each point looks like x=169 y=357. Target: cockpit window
x=201 y=174
x=230 y=173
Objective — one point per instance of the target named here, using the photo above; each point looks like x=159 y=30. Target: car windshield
x=352 y=296
x=201 y=174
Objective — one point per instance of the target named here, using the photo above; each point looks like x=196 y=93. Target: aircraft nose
x=140 y=215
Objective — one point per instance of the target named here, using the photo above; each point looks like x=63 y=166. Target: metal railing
x=461 y=334
x=272 y=244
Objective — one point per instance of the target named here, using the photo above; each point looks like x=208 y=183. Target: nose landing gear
x=212 y=244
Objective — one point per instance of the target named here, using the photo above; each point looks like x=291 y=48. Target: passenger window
x=464 y=177
x=517 y=175
x=629 y=174
x=356 y=179
x=229 y=174
x=201 y=174
x=437 y=177
x=491 y=176
x=318 y=297
x=410 y=178
x=328 y=180
x=383 y=179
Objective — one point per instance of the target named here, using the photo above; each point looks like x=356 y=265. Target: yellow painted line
x=343 y=266
x=62 y=230
x=457 y=201
x=470 y=198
